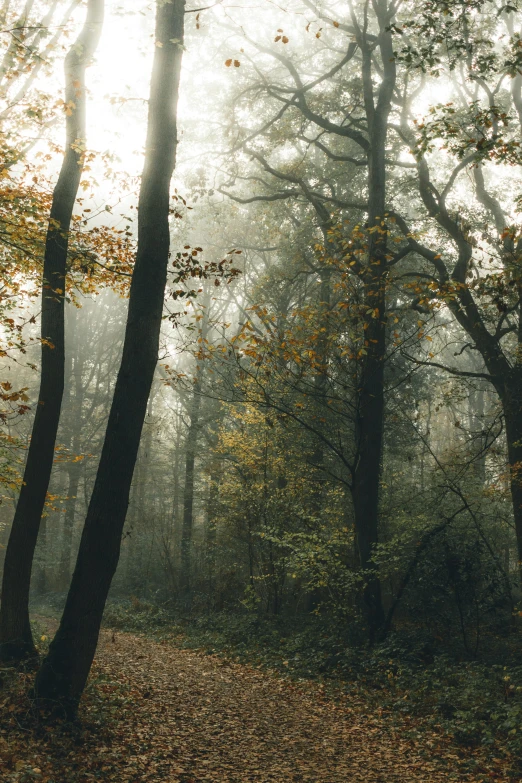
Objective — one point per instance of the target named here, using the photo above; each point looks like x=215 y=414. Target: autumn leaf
x=152 y=707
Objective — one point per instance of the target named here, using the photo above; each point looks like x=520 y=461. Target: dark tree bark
x=39 y=579
x=15 y=632
x=511 y=397
x=370 y=413
x=63 y=674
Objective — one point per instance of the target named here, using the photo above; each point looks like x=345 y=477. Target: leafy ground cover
x=475 y=703
x=174 y=709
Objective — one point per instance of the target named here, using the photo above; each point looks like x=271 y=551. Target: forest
x=260 y=391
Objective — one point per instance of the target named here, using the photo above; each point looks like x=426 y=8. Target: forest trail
x=182 y=716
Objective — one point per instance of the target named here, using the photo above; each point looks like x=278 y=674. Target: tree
x=355 y=136
x=473 y=263
x=15 y=632
x=28 y=50
x=63 y=674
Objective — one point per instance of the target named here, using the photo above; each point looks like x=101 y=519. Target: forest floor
x=155 y=712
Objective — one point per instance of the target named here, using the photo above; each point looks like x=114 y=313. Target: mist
x=261 y=389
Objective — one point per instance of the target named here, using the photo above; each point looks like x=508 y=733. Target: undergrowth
x=476 y=702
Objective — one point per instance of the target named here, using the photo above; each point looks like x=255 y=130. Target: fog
x=323 y=427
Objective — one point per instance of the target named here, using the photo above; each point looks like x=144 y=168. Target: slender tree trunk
x=64 y=672
x=176 y=491
x=188 y=492
x=15 y=632
x=211 y=527
x=191 y=444
x=73 y=468
x=512 y=403
x=321 y=379
x=64 y=568
x=320 y=387
x=172 y=532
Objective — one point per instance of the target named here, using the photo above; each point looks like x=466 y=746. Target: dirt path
x=180 y=716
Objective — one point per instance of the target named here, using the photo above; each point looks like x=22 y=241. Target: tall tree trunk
x=191 y=444
x=320 y=389
x=366 y=476
x=74 y=439
x=370 y=414
x=188 y=491
x=15 y=632
x=320 y=385
x=175 y=530
x=211 y=528
x=64 y=566
x=63 y=674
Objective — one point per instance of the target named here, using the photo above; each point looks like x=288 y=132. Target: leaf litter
x=156 y=713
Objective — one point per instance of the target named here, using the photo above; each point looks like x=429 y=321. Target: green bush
x=135 y=615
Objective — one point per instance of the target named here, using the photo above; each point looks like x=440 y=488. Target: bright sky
x=118 y=84
x=124 y=60
x=119 y=79
x=121 y=71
